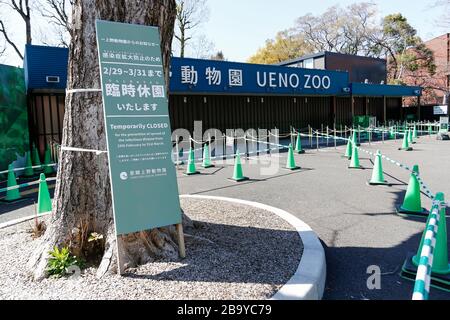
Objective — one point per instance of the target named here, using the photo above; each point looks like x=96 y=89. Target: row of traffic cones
x=238 y=171
x=207 y=163
x=412 y=206
x=12 y=195
x=32 y=159
x=408 y=140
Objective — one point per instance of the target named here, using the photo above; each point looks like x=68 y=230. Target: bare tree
x=57 y=12
x=82 y=202
x=190 y=15
x=444 y=19
x=201 y=47
x=340 y=30
x=23 y=9
x=218 y=56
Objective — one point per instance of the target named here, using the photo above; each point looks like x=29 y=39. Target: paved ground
x=24 y=207
x=356 y=223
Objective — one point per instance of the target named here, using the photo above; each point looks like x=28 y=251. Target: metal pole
x=257 y=143
x=321 y=131
x=359 y=134
x=317 y=140
x=335 y=136
x=246 y=146
x=328 y=139
x=224 y=144
x=292 y=136
x=310 y=136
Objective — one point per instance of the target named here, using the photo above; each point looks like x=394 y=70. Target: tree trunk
x=28 y=30
x=182 y=43
x=82 y=203
x=28 y=22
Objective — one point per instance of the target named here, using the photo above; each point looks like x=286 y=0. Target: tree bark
x=82 y=202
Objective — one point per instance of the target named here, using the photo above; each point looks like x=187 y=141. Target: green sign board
x=443 y=124
x=143 y=177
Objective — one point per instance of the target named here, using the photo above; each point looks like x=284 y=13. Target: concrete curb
x=10 y=223
x=308 y=282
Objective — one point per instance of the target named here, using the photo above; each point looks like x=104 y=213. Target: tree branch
x=10 y=42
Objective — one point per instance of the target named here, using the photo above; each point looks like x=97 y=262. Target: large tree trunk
x=82 y=202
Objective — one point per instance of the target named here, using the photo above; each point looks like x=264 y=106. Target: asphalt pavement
x=355 y=222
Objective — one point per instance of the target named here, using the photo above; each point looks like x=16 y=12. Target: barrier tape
x=423 y=185
x=34 y=167
x=27 y=184
x=68 y=91
x=97 y=152
x=423 y=277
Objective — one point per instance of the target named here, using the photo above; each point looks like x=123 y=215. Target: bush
x=60 y=261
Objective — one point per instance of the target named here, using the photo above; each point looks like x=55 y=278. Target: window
x=319 y=63
x=308 y=63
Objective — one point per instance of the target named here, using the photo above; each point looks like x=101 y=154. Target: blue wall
x=255 y=79
x=380 y=90
x=190 y=76
x=40 y=62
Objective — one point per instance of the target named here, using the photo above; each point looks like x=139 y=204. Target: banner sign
x=210 y=76
x=440 y=110
x=143 y=178
x=443 y=124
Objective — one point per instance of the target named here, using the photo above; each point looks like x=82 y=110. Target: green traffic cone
x=28 y=172
x=440 y=253
x=391 y=134
x=415 y=134
x=411 y=138
x=35 y=157
x=377 y=174
x=355 y=139
x=405 y=144
x=348 y=152
x=440 y=270
x=44 y=202
x=191 y=170
x=238 y=175
x=290 y=164
x=354 y=164
x=298 y=145
x=14 y=194
x=47 y=160
x=206 y=158
x=412 y=204
x=440 y=256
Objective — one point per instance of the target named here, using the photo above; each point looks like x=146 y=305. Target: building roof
x=42 y=61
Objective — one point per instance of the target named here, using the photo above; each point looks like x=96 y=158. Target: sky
x=240 y=27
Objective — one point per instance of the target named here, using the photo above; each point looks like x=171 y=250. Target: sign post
x=443 y=124
x=143 y=177
x=440 y=110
